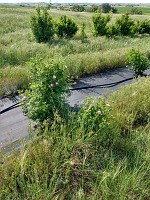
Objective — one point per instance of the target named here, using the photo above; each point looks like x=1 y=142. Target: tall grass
x=65 y=162
x=134 y=106
x=12 y=80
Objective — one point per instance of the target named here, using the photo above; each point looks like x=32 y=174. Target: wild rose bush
x=48 y=90
x=95 y=117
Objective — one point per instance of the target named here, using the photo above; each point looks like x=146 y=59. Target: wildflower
x=52 y=85
x=57 y=83
x=108 y=104
x=99 y=112
x=72 y=163
x=54 y=76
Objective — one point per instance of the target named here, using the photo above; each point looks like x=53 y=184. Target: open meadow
x=17 y=47
x=145 y=9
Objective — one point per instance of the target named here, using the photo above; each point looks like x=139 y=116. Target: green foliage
x=124 y=25
x=93 y=8
x=137 y=61
x=78 y=8
x=48 y=90
x=17 y=46
x=142 y=27
x=66 y=27
x=69 y=163
x=126 y=9
x=95 y=116
x=131 y=105
x=12 y=80
x=42 y=25
x=100 y=24
x=106 y=7
x=135 y=11
x=112 y=30
x=83 y=34
x=114 y=10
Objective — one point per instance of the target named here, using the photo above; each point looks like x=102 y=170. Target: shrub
x=135 y=11
x=142 y=27
x=42 y=25
x=93 y=8
x=112 y=30
x=124 y=25
x=66 y=27
x=137 y=61
x=94 y=116
x=100 y=24
x=114 y=10
x=47 y=92
x=78 y=8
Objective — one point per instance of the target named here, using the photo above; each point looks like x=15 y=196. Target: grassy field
x=71 y=161
x=17 y=47
x=123 y=9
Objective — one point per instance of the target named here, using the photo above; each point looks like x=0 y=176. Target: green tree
x=78 y=8
x=106 y=7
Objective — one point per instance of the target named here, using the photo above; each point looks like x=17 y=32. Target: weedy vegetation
x=100 y=151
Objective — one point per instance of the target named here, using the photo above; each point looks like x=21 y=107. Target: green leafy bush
x=142 y=27
x=93 y=8
x=47 y=92
x=112 y=30
x=135 y=11
x=78 y=8
x=66 y=27
x=124 y=25
x=42 y=25
x=100 y=24
x=137 y=61
x=95 y=116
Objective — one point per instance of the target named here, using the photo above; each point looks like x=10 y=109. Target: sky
x=77 y=1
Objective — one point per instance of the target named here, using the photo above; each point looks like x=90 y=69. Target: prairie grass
x=12 y=80
x=63 y=162
x=17 y=45
x=134 y=106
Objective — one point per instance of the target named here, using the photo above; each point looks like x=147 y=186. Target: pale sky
x=77 y=1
